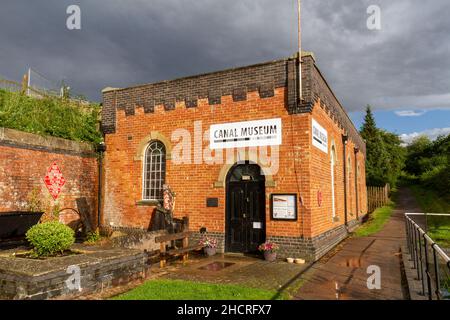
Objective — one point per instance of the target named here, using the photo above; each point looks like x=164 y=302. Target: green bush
x=93 y=236
x=50 y=238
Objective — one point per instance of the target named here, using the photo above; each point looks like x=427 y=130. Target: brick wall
x=24 y=161
x=123 y=181
x=321 y=216
x=137 y=115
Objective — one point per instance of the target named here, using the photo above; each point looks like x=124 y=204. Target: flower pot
x=270 y=256
x=210 y=251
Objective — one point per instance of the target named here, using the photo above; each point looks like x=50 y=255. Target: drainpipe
x=101 y=148
x=356 y=150
x=344 y=142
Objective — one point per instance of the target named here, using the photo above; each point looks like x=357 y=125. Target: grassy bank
x=430 y=201
x=50 y=116
x=376 y=221
x=188 y=290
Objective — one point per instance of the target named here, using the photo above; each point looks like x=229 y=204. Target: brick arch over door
x=249 y=156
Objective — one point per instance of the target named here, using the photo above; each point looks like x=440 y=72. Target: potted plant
x=270 y=250
x=209 y=245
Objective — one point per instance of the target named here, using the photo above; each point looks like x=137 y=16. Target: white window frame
x=333 y=189
x=161 y=172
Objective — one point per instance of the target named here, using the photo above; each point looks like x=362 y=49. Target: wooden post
x=185 y=245
x=185 y=224
x=24 y=83
x=162 y=262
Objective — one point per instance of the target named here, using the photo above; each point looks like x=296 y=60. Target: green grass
x=438 y=228
x=189 y=290
x=429 y=201
x=376 y=221
x=50 y=116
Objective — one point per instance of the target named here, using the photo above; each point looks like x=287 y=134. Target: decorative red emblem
x=54 y=180
x=319 y=198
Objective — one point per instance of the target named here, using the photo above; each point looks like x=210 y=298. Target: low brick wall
x=24 y=161
x=311 y=249
x=45 y=279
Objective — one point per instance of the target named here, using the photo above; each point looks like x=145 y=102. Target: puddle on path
x=216 y=266
x=353 y=263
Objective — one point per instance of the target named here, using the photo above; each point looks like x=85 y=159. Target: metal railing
x=430 y=261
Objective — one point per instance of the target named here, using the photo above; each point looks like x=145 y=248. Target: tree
x=396 y=155
x=385 y=156
x=416 y=150
x=428 y=163
x=369 y=128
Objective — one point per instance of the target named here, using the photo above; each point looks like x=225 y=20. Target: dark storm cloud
x=404 y=65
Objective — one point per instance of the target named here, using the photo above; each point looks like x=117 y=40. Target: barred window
x=154 y=171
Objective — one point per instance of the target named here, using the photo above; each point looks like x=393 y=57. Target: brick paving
x=344 y=268
x=344 y=275
x=245 y=271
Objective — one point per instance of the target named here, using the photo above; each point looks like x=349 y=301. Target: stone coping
x=21 y=139
x=41 y=268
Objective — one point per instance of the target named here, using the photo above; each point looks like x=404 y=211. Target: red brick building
x=297 y=178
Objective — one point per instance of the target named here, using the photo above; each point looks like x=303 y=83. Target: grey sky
x=405 y=65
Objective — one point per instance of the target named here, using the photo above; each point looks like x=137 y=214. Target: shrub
x=34 y=202
x=50 y=238
x=93 y=236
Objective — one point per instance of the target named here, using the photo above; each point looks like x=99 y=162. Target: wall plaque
x=283 y=206
x=212 y=202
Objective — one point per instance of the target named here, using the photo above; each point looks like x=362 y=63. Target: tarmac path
x=345 y=275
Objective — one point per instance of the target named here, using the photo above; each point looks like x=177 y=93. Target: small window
x=154 y=173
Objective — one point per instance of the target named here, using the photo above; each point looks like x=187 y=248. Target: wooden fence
x=377 y=197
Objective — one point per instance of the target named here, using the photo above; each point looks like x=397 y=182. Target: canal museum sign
x=256 y=133
x=245 y=111
x=319 y=136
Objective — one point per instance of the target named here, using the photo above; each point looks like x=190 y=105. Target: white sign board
x=256 y=133
x=319 y=136
x=284 y=207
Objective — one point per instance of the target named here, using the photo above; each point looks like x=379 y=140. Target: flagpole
x=299 y=52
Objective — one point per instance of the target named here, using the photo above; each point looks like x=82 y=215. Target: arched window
x=154 y=174
x=358 y=186
x=333 y=192
x=349 y=174
x=349 y=183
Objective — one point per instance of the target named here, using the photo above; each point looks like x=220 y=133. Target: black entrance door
x=245 y=208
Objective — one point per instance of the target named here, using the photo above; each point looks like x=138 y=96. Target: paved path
x=344 y=275
x=238 y=269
